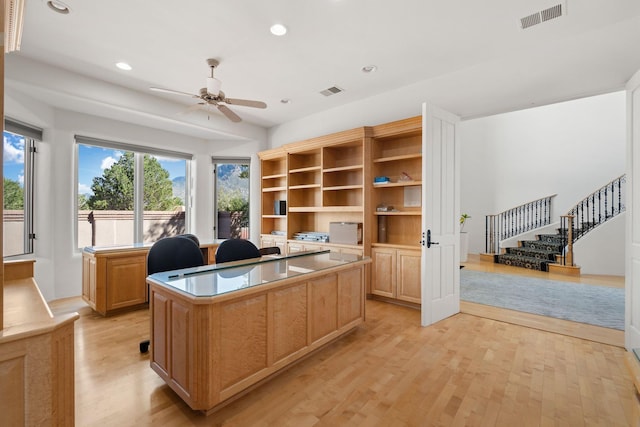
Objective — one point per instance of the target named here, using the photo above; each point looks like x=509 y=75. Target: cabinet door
x=295 y=247
x=126 y=284
x=89 y=279
x=408 y=286
x=383 y=282
x=267 y=241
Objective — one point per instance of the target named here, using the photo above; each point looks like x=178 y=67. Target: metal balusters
x=584 y=212
x=516 y=221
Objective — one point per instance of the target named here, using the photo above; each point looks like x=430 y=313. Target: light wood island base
x=211 y=350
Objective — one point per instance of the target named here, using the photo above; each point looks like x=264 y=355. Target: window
x=128 y=194
x=231 y=197
x=18 y=166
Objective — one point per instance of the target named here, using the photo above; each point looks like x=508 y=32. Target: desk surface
x=218 y=279
x=135 y=246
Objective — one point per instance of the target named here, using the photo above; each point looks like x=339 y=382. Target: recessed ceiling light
x=369 y=69
x=124 y=66
x=285 y=100
x=58 y=6
x=278 y=30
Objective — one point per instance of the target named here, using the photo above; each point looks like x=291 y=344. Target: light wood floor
x=574 y=329
x=463 y=371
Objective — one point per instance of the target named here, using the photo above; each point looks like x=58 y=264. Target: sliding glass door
x=231 y=200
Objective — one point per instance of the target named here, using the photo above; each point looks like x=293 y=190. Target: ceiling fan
x=213 y=96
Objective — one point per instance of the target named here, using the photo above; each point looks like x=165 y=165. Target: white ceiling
x=471 y=56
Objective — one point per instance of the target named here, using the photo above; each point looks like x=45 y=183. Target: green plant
x=463 y=219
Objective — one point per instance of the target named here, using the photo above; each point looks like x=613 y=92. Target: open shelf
x=325 y=209
x=398 y=184
x=342 y=168
x=306 y=169
x=271 y=189
x=398 y=158
x=343 y=187
x=399 y=213
x=280 y=175
x=300 y=187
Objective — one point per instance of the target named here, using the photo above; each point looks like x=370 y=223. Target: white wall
x=58 y=261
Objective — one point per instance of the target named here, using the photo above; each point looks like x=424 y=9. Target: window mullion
x=138 y=198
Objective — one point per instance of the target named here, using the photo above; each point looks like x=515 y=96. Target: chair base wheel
x=144 y=346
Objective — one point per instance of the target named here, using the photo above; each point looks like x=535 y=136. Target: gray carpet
x=595 y=305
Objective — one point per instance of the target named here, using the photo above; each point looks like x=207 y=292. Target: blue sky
x=14 y=157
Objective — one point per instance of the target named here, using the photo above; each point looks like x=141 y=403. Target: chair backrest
x=192 y=237
x=236 y=249
x=270 y=250
x=173 y=253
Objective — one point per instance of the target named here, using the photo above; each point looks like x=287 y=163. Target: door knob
x=429 y=242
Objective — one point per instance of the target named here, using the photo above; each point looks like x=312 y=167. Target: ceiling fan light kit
x=212 y=95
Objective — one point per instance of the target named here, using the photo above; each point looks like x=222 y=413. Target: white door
x=440 y=215
x=632 y=267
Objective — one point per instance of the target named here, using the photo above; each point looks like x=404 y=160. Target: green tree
x=13 y=195
x=83 y=202
x=114 y=189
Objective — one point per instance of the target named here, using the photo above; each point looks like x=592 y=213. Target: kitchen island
x=218 y=330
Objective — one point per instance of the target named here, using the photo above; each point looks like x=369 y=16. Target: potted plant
x=464 y=238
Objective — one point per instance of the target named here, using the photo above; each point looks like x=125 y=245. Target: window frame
x=139 y=151
x=32 y=135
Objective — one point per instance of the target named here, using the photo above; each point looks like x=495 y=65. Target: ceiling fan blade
x=245 y=103
x=230 y=114
x=175 y=92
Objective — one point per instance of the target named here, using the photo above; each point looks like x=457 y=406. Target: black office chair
x=235 y=250
x=172 y=253
x=270 y=250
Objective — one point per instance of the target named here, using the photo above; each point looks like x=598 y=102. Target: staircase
x=551 y=249
x=534 y=254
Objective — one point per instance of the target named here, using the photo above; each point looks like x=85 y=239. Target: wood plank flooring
x=463 y=371
x=565 y=327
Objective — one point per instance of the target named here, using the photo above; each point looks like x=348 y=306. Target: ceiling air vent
x=551 y=13
x=530 y=20
x=331 y=91
x=542 y=16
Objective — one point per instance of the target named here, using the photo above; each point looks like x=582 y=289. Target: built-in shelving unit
x=396 y=210
x=274 y=175
x=326 y=182
x=331 y=179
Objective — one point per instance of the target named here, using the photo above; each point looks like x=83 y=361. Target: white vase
x=464 y=246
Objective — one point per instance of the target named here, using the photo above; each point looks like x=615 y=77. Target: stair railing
x=595 y=209
x=514 y=221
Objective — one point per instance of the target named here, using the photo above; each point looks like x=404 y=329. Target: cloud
x=13 y=150
x=107 y=162
x=21 y=179
x=84 y=189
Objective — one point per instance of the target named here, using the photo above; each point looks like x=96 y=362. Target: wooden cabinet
x=396 y=209
x=36 y=355
x=331 y=179
x=396 y=274
x=113 y=279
